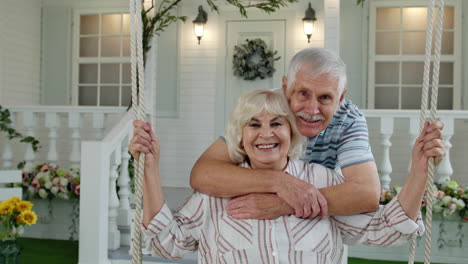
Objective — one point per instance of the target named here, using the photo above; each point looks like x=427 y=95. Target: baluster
x=444 y=170
x=114 y=233
x=7 y=153
x=386 y=130
x=414 y=133
x=125 y=215
x=74 y=125
x=29 y=122
x=51 y=122
x=98 y=123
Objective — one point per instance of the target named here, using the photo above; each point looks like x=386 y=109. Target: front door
x=273 y=32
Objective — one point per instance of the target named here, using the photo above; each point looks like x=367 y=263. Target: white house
x=65 y=76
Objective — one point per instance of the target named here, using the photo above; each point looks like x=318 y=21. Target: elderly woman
x=262 y=135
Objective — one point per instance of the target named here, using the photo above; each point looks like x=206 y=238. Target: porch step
x=6 y=177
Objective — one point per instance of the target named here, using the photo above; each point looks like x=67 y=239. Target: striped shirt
x=344 y=142
x=202 y=224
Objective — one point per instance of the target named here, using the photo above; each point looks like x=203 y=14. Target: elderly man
x=315 y=86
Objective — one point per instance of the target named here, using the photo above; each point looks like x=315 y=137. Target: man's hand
x=305 y=198
x=258 y=206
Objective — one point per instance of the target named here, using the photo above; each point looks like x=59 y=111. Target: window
x=102 y=66
x=396 y=55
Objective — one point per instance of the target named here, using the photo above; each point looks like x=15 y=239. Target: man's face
x=314 y=101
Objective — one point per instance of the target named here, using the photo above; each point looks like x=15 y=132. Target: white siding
x=20 y=51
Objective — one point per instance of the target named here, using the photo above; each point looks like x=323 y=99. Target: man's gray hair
x=317 y=61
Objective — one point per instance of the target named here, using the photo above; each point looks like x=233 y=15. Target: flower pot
x=9 y=252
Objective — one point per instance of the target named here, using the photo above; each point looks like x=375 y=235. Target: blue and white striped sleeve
x=354 y=147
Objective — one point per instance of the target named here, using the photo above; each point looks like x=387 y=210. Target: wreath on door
x=253 y=59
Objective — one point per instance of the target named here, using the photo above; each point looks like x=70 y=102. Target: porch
x=96 y=140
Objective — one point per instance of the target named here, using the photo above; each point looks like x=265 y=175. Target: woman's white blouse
x=202 y=224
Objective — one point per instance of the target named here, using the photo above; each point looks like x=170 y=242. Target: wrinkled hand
x=305 y=198
x=434 y=142
x=145 y=141
x=258 y=206
x=428 y=144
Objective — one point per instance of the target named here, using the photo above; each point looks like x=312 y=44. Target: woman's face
x=266 y=139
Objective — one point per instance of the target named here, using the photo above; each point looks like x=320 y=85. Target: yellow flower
x=6 y=208
x=28 y=217
x=13 y=201
x=23 y=206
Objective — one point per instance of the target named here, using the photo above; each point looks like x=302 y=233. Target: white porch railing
x=59 y=129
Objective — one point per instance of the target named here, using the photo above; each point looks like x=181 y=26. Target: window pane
x=447 y=43
x=109 y=96
x=386 y=97
x=387 y=43
x=126 y=95
x=89 y=24
x=444 y=98
x=414 y=42
x=88 y=73
x=110 y=73
x=126 y=24
x=87 y=95
x=449 y=18
x=89 y=47
x=110 y=47
x=414 y=18
x=111 y=23
x=411 y=97
x=126 y=73
x=388 y=18
x=412 y=72
x=446 y=73
x=386 y=73
x=126 y=46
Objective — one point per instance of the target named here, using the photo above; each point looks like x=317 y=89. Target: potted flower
x=14 y=215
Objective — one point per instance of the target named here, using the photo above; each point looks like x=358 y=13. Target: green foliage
x=5 y=126
x=360 y=2
x=268 y=6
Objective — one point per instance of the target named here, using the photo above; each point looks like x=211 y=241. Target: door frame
x=288 y=16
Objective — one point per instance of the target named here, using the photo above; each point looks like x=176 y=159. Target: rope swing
x=430 y=188
x=139 y=113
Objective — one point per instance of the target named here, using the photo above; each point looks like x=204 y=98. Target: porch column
x=445 y=171
x=385 y=168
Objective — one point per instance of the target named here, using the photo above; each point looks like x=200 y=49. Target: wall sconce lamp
x=199 y=23
x=308 y=21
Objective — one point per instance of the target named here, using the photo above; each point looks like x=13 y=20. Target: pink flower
x=440 y=194
x=35 y=184
x=44 y=168
x=452 y=206
x=77 y=190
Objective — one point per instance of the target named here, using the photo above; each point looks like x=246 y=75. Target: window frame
x=76 y=60
x=456 y=58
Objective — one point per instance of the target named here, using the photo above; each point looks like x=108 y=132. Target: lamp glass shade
x=198 y=29
x=308 y=27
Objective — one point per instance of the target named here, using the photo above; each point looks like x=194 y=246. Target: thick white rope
x=139 y=113
x=430 y=189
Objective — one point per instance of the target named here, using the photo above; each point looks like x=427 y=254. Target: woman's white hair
x=251 y=104
x=317 y=61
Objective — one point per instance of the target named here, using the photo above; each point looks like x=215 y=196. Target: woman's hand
x=428 y=144
x=144 y=141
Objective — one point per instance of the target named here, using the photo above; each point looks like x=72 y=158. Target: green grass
x=47 y=251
